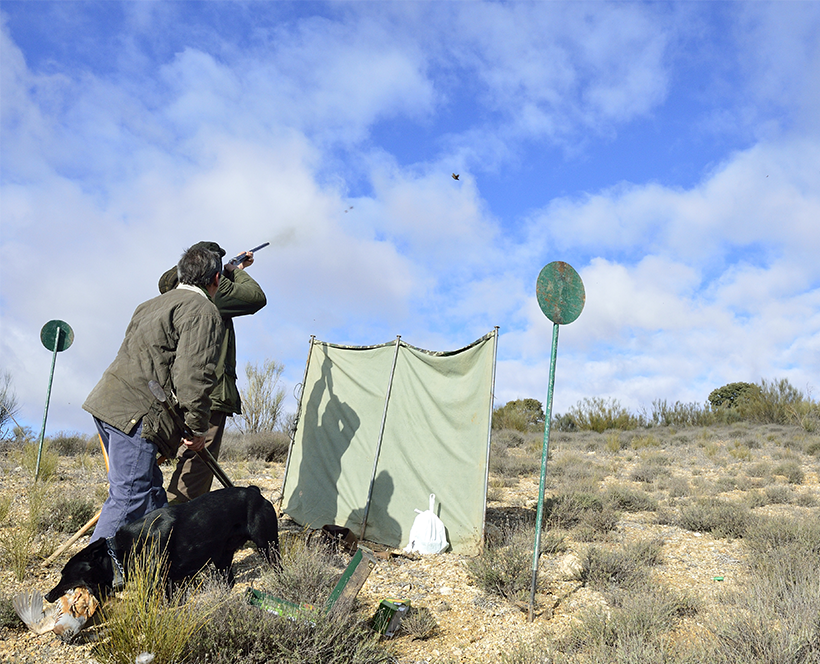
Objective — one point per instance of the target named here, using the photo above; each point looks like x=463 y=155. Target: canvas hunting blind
x=382 y=427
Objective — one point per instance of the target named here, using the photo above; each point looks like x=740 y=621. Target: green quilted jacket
x=238 y=295
x=174 y=339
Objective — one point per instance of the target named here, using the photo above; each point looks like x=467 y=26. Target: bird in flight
x=455 y=176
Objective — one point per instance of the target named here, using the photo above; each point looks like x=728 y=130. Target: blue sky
x=670 y=152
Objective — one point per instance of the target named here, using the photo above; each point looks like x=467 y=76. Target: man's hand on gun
x=244 y=259
x=247 y=261
x=195 y=443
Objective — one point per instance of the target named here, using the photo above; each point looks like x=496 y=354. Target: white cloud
x=108 y=174
x=557 y=68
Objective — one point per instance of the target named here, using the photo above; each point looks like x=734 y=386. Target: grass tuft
x=147 y=617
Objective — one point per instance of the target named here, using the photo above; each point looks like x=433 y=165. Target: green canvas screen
x=397 y=423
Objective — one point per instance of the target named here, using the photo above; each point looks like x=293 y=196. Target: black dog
x=210 y=528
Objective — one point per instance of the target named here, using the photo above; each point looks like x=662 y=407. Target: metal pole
x=381 y=437
x=544 y=454
x=489 y=435
x=58 y=331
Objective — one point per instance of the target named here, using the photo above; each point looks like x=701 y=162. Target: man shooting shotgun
x=238 y=295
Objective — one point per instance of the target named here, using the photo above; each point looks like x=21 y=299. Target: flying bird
x=455 y=176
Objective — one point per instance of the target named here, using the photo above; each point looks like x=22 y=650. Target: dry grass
x=636 y=514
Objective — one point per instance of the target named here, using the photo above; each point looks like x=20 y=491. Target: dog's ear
x=90 y=567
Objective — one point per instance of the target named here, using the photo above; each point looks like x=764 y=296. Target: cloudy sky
x=670 y=152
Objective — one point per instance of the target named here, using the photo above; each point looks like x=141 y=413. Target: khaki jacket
x=174 y=339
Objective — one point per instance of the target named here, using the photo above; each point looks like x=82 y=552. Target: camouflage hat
x=169 y=280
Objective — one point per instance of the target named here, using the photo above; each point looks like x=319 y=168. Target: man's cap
x=211 y=246
x=170 y=279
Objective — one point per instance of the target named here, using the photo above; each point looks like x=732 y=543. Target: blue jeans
x=134 y=479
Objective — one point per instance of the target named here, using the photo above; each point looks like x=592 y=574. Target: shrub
x=649 y=472
x=308 y=573
x=20 y=545
x=48 y=460
x=779 y=495
x=9 y=404
x=148 y=619
x=552 y=542
x=769 y=534
x=623 y=498
x=71 y=444
x=597 y=414
x=419 y=623
x=565 y=422
x=677 y=487
x=641 y=442
x=773 y=402
x=680 y=414
x=625 y=567
x=791 y=470
x=8 y=616
x=506 y=438
x=268 y=445
x=614 y=442
x=636 y=630
x=720 y=518
x=68 y=514
x=761 y=469
x=594 y=525
x=773 y=616
x=567 y=510
x=505 y=567
x=519 y=415
x=262 y=398
x=513 y=465
x=240 y=632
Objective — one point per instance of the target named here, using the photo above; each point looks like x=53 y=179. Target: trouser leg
x=134 y=479
x=191 y=477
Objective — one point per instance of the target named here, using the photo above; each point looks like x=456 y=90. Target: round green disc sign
x=560 y=292
x=48 y=335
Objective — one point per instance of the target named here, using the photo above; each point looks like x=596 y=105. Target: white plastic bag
x=427 y=535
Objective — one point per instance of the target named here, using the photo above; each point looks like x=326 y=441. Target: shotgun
x=204 y=454
x=236 y=260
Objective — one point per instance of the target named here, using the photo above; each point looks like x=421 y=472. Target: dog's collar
x=119 y=573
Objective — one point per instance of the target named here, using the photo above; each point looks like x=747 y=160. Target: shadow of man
x=325 y=439
x=381 y=527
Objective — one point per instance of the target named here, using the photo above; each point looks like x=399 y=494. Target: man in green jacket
x=238 y=295
x=173 y=339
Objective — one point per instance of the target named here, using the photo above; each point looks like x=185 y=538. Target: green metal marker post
x=56 y=335
x=561 y=296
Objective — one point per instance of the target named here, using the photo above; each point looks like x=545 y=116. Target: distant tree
x=8 y=404
x=521 y=415
x=732 y=395
x=262 y=398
